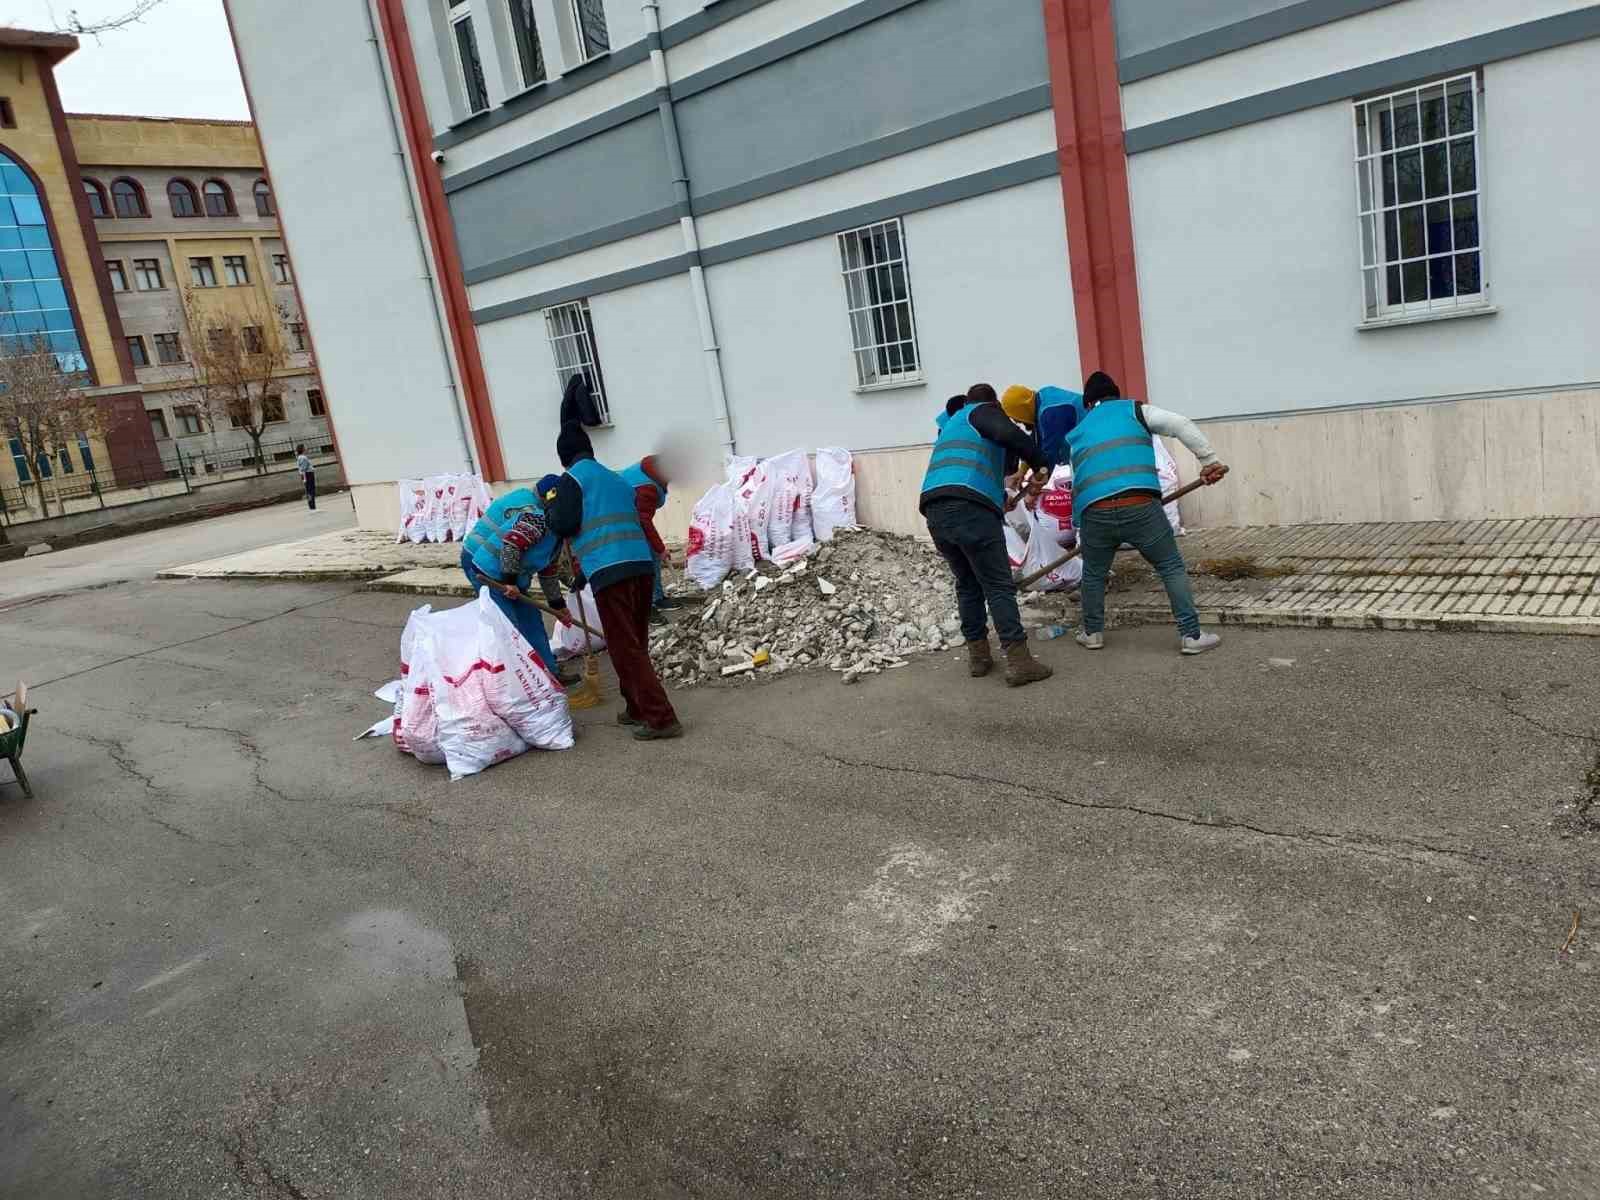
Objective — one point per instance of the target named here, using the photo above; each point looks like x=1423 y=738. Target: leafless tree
x=239 y=356
x=43 y=407
x=75 y=24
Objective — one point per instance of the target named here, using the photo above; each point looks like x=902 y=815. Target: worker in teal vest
x=649 y=482
x=951 y=407
x=594 y=508
x=963 y=499
x=504 y=550
x=1051 y=413
x=1116 y=499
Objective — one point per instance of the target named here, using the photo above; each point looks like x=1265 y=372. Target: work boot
x=980 y=659
x=668 y=603
x=646 y=733
x=657 y=617
x=1091 y=641
x=1198 y=644
x=1022 y=667
x=624 y=719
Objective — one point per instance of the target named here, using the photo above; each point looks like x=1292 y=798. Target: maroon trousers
x=625 y=616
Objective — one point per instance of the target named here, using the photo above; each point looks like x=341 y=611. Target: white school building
x=1358 y=240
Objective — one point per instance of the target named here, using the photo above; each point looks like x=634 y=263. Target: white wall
x=320 y=106
x=1247 y=260
x=993 y=298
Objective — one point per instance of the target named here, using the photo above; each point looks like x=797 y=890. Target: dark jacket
x=991 y=421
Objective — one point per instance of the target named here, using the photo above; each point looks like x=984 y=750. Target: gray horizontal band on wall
x=579 y=131
x=1240 y=35
x=541 y=94
x=661 y=218
x=1041 y=166
x=971 y=120
x=788 y=44
x=982 y=116
x=678 y=264
x=594 y=71
x=1028 y=170
x=1530 y=37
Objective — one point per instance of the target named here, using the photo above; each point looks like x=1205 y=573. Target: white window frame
x=570 y=330
x=876 y=336
x=461 y=13
x=516 y=46
x=580 y=38
x=1374 y=231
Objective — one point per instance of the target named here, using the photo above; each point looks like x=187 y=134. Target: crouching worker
x=505 y=549
x=963 y=498
x=1116 y=498
x=595 y=508
x=1051 y=413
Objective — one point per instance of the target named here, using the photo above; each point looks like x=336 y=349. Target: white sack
x=833 y=503
x=1167 y=468
x=710 y=551
x=519 y=687
x=567 y=641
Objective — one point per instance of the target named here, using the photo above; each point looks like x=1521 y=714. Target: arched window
x=264 y=207
x=97 y=199
x=219 y=200
x=35 y=312
x=185 y=201
x=127 y=198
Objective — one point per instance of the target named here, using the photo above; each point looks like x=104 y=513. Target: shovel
x=1034 y=576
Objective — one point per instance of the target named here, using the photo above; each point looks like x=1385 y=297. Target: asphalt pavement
x=1284 y=920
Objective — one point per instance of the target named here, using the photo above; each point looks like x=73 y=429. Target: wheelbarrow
x=11 y=743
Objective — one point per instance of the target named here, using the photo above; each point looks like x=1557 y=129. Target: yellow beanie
x=1018 y=403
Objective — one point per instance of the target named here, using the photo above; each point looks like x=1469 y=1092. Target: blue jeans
x=1145 y=528
x=973 y=541
x=529 y=621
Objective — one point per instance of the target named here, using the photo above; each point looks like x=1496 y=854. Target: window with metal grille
x=1419 y=184
x=525 y=32
x=571 y=331
x=877 y=293
x=469 y=66
x=589 y=20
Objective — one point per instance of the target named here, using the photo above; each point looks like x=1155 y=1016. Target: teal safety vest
x=1057 y=413
x=635 y=477
x=487 y=537
x=611 y=534
x=1111 y=454
x=964 y=458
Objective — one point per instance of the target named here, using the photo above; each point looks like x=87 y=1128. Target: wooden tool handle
x=545 y=608
x=1034 y=577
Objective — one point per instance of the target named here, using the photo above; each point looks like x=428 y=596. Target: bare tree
x=239 y=356
x=78 y=26
x=43 y=407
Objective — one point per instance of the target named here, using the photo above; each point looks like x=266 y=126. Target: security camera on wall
x=438 y=158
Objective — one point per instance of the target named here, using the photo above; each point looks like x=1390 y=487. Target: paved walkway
x=1537 y=576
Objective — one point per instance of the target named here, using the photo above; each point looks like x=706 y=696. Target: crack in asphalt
x=190 y=641
x=1384 y=848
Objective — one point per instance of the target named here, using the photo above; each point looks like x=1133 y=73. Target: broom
x=587 y=693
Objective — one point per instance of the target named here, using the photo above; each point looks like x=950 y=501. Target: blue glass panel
x=58 y=319
x=29 y=210
x=43 y=464
x=72 y=364
x=29 y=323
x=64 y=342
x=87 y=456
x=14 y=265
x=7 y=216
x=21 y=295
x=10 y=237
x=51 y=293
x=42 y=265
x=15 y=180
x=36 y=237
x=8 y=325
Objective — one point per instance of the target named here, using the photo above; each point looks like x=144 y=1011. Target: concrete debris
x=898 y=601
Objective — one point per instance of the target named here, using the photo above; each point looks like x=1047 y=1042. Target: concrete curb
x=1397 y=620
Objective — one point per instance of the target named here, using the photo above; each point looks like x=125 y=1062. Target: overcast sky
x=177 y=61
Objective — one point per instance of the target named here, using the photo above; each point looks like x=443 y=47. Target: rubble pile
x=858 y=606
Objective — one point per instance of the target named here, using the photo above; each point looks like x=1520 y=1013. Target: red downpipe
x=1080 y=42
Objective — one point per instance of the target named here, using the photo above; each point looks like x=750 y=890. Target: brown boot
x=980 y=659
x=1021 y=666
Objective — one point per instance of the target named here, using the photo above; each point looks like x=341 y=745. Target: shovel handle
x=545 y=608
x=1034 y=576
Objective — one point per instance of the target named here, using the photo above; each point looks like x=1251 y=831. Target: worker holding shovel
x=595 y=508
x=1116 y=499
x=504 y=550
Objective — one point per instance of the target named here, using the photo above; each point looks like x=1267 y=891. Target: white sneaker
x=1091 y=641
x=1200 y=644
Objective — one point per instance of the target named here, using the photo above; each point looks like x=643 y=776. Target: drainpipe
x=422 y=252
x=686 y=222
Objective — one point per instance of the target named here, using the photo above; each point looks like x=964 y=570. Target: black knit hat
x=1098 y=387
x=572 y=444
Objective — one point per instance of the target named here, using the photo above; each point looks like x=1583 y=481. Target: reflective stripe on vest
x=1111 y=454
x=611 y=534
x=487 y=537
x=963 y=458
x=636 y=477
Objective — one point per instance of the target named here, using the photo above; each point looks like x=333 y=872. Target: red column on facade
x=1080 y=40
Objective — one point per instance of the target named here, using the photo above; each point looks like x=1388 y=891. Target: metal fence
x=189 y=465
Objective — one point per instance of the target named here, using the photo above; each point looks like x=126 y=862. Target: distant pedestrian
x=308 y=476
